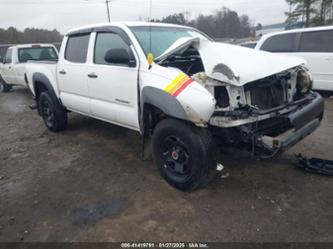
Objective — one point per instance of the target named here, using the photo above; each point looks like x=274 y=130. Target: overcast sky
x=66 y=14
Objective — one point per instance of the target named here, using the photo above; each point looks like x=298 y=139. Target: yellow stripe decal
x=175 y=81
x=179 y=84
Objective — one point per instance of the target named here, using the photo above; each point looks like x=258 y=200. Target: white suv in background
x=313 y=44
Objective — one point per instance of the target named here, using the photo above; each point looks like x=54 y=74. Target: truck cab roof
x=122 y=24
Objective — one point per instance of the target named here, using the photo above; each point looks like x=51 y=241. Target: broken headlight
x=304 y=82
x=222 y=97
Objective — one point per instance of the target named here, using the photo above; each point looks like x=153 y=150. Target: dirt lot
x=89 y=184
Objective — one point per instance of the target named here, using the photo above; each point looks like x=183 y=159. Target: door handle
x=93 y=75
x=62 y=72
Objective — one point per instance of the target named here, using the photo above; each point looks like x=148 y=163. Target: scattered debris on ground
x=315 y=165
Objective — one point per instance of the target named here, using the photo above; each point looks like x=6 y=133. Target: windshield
x=37 y=54
x=162 y=37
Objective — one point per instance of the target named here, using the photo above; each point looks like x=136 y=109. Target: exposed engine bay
x=188 y=61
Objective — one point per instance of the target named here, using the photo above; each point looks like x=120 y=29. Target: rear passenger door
x=317 y=48
x=113 y=87
x=72 y=73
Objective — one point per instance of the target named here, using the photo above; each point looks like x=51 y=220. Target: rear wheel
x=4 y=87
x=54 y=115
x=184 y=154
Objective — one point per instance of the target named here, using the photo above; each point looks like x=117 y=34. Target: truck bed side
x=42 y=72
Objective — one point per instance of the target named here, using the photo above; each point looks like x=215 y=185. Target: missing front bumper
x=283 y=128
x=304 y=121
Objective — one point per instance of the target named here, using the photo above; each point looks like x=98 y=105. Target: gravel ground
x=89 y=183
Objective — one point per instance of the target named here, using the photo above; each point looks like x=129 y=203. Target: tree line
x=222 y=23
x=29 y=35
x=310 y=12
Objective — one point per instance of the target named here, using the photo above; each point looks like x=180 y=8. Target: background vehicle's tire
x=184 y=154
x=4 y=87
x=54 y=115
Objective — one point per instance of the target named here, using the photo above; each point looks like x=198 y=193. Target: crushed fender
x=315 y=165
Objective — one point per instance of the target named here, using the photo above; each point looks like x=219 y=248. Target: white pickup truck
x=194 y=96
x=12 y=66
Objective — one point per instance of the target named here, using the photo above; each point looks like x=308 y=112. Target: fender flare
x=162 y=100
x=41 y=78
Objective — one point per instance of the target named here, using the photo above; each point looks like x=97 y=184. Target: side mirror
x=119 y=56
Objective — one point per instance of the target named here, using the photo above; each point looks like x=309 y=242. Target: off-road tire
x=53 y=114
x=200 y=147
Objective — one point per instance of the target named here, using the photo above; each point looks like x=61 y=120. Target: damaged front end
x=263 y=101
x=268 y=115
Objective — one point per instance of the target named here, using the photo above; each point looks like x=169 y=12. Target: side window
x=280 y=43
x=105 y=42
x=319 y=41
x=8 y=58
x=77 y=48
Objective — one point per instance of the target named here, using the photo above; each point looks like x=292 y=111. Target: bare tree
x=222 y=23
x=311 y=12
x=303 y=9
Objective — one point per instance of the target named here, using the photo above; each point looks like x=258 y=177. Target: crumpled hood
x=239 y=66
x=234 y=64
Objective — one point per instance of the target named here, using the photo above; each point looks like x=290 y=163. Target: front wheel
x=184 y=154
x=54 y=115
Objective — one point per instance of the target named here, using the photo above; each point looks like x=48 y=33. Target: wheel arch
x=156 y=105
x=159 y=102
x=41 y=83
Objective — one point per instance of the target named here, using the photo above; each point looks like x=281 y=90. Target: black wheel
x=4 y=87
x=184 y=154
x=54 y=115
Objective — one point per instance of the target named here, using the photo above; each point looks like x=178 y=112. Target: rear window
x=37 y=54
x=280 y=43
x=318 y=42
x=77 y=48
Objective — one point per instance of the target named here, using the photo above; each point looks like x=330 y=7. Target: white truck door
x=72 y=74
x=8 y=68
x=317 y=48
x=113 y=86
